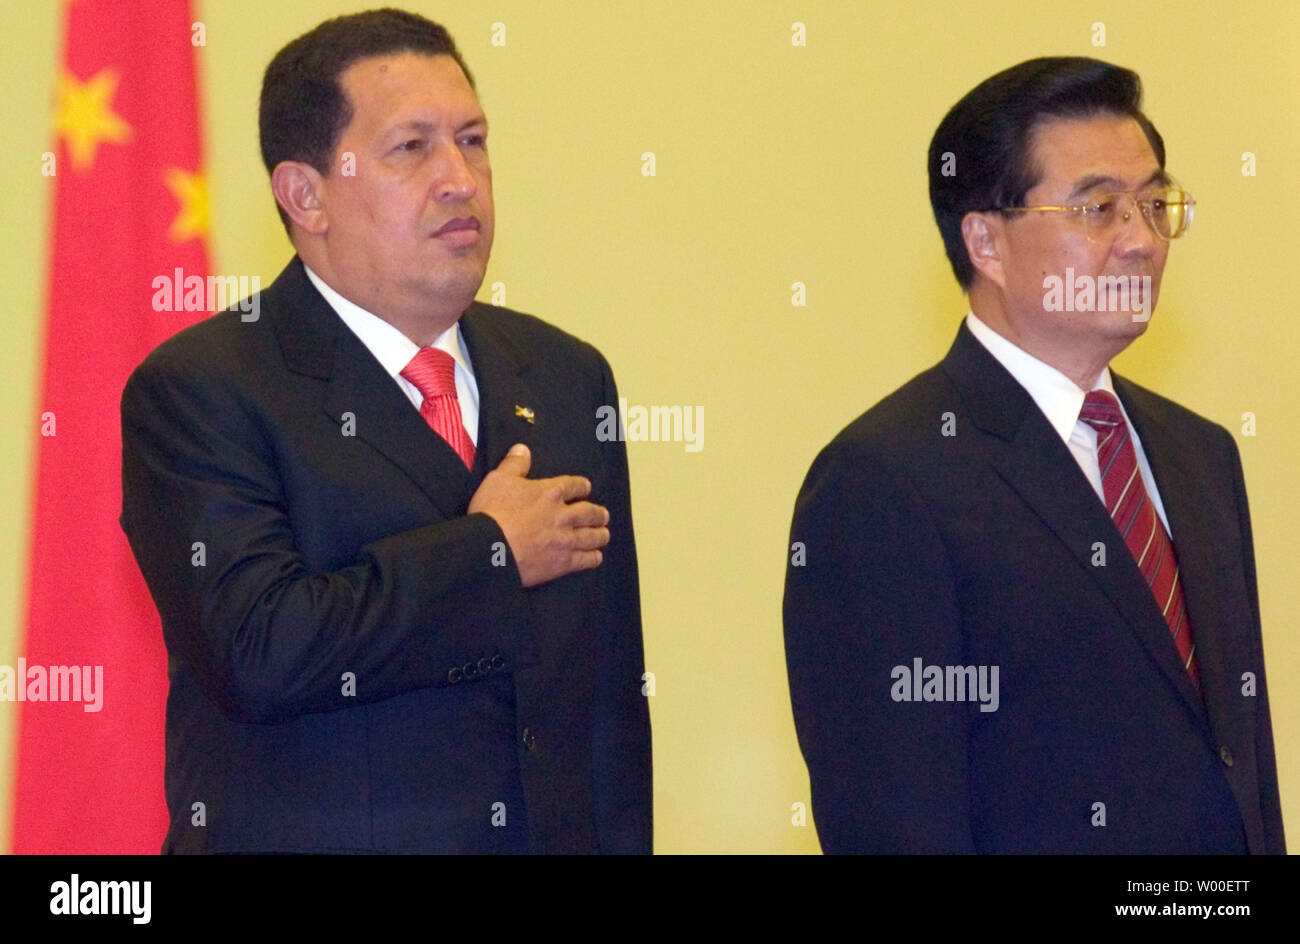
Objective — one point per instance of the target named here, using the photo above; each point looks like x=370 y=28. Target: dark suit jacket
x=355 y=665
x=978 y=549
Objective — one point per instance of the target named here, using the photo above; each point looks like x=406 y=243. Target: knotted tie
x=433 y=372
x=1131 y=509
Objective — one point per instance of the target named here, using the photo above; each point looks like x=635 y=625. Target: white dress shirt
x=1061 y=399
x=394 y=351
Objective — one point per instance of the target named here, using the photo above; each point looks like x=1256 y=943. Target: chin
x=458 y=286
x=1127 y=328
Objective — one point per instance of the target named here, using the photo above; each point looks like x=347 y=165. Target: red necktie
x=433 y=372
x=1131 y=509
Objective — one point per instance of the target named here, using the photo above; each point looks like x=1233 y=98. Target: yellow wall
x=775 y=164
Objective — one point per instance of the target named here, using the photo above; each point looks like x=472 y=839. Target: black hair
x=303 y=110
x=979 y=156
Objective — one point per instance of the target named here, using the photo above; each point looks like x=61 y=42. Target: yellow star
x=85 y=116
x=191 y=191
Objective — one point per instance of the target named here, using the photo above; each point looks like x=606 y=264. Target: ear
x=297 y=188
x=983 y=235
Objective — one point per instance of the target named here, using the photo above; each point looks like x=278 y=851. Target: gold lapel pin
x=525 y=411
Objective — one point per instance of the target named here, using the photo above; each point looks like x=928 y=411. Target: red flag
x=130 y=206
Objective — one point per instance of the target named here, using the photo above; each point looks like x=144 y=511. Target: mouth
x=459 y=233
x=461 y=224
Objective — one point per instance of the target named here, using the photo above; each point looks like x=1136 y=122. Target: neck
x=1081 y=364
x=420 y=320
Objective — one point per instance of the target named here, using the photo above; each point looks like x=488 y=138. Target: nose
x=1135 y=236
x=453 y=180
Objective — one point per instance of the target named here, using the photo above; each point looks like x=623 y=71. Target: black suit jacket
x=354 y=663
x=981 y=548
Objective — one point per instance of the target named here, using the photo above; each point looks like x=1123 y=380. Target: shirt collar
x=1059 y=397
x=390 y=346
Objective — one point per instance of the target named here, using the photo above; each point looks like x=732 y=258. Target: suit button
x=484 y=665
x=530 y=742
x=1225 y=755
x=470 y=670
x=498 y=661
x=454 y=675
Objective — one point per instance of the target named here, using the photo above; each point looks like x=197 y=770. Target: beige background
x=775 y=164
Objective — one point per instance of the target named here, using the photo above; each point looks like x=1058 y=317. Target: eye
x=1102 y=206
x=414 y=144
x=474 y=140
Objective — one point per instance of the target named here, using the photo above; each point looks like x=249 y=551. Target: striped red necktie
x=1131 y=509
x=433 y=372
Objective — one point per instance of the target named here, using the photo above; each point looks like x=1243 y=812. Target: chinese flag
x=130 y=205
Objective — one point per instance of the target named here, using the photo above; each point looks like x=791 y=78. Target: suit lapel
x=1029 y=455
x=316 y=343
x=506 y=402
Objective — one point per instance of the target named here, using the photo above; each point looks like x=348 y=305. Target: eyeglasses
x=1168 y=212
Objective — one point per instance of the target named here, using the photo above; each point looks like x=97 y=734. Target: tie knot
x=1101 y=410
x=433 y=372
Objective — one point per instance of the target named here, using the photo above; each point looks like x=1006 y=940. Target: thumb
x=517 y=461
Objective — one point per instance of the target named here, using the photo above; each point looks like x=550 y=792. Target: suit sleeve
x=869 y=587
x=206 y=517
x=621 y=736
x=1270 y=802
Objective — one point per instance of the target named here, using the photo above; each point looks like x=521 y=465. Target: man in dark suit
x=394 y=563
x=1021 y=612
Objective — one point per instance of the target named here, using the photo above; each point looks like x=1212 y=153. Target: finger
x=582 y=515
x=517 y=461
x=572 y=487
x=590 y=539
x=584 y=560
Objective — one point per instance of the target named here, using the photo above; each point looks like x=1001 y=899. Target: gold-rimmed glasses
x=1167 y=210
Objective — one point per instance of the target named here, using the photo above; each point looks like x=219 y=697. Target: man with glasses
x=1024 y=617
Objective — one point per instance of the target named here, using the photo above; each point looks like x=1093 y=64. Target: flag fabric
x=128 y=207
